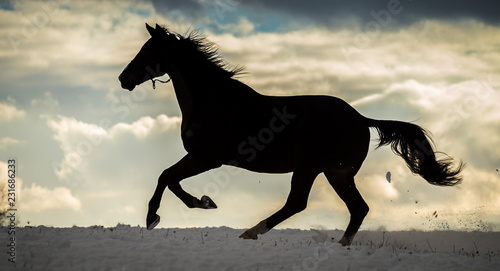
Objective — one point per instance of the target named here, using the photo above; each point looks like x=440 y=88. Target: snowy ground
x=134 y=248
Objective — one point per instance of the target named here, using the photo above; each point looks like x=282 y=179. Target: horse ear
x=150 y=29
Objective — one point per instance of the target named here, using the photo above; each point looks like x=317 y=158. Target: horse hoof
x=207 y=203
x=247 y=235
x=152 y=221
x=344 y=242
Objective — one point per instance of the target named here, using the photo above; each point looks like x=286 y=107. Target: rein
x=155 y=80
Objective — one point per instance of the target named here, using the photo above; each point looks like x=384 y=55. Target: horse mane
x=205 y=51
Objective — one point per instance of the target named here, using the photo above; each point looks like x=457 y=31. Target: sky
x=89 y=153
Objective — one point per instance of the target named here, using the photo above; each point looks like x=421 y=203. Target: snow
x=134 y=248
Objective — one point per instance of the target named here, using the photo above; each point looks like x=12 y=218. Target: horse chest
x=199 y=136
x=190 y=131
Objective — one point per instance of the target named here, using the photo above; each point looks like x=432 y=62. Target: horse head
x=150 y=61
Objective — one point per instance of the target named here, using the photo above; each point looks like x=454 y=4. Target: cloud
x=190 y=8
x=79 y=140
x=114 y=167
x=4 y=200
x=47 y=101
x=6 y=5
x=9 y=112
x=146 y=126
x=339 y=12
x=37 y=199
x=335 y=13
x=323 y=61
x=240 y=28
x=8 y=141
x=82 y=44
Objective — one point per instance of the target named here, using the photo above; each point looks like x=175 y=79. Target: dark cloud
x=406 y=11
x=190 y=8
x=331 y=13
x=6 y=5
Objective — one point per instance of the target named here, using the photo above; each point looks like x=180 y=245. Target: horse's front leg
x=190 y=165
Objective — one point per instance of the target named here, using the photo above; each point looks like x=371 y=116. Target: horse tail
x=414 y=145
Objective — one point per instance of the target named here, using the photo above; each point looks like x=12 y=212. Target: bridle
x=134 y=63
x=158 y=80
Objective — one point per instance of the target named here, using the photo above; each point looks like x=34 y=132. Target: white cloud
x=36 y=199
x=9 y=112
x=80 y=44
x=145 y=126
x=313 y=60
x=8 y=141
x=4 y=201
x=69 y=131
x=78 y=140
x=241 y=28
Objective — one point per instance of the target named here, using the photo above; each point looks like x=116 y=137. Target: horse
x=226 y=122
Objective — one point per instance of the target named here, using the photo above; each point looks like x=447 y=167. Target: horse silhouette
x=225 y=122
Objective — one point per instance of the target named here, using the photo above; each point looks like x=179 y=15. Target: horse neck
x=182 y=90
x=193 y=87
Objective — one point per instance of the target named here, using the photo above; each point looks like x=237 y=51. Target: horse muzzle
x=127 y=82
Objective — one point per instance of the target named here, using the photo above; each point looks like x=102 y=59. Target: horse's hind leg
x=297 y=201
x=187 y=167
x=344 y=186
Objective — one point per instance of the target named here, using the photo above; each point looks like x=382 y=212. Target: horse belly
x=267 y=156
x=314 y=131
x=337 y=140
